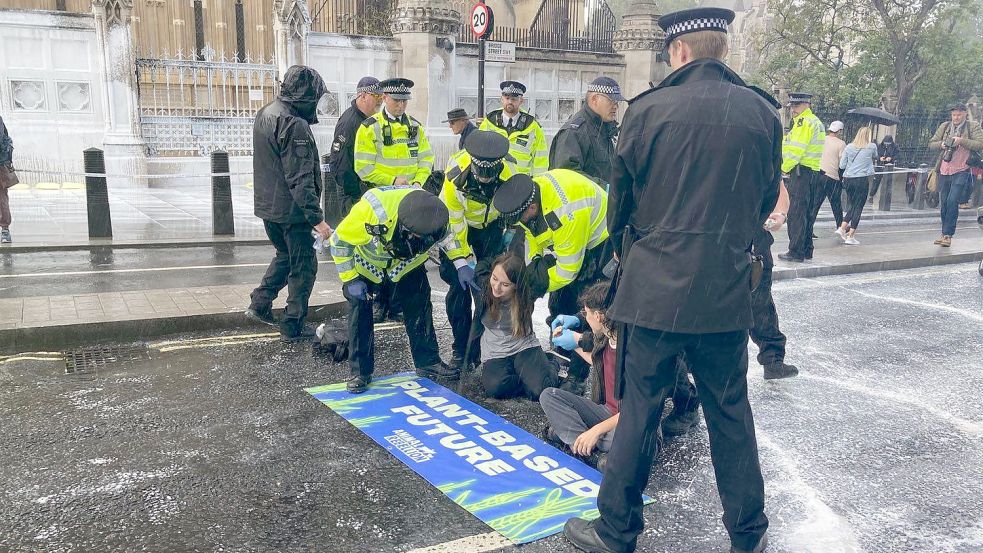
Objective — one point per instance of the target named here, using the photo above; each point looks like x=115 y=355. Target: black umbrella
x=875 y=115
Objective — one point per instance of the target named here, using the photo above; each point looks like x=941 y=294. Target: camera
x=948 y=148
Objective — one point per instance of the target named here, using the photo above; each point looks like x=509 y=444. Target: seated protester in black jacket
x=587 y=426
x=513 y=360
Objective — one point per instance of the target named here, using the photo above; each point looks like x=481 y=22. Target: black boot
x=358 y=383
x=679 y=421
x=264 y=316
x=551 y=438
x=582 y=534
x=438 y=370
x=759 y=548
x=780 y=369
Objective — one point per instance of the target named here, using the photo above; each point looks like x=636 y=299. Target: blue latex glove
x=565 y=321
x=465 y=276
x=566 y=340
x=357 y=289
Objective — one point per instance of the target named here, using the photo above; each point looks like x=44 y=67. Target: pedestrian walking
x=801 y=156
x=857 y=162
x=959 y=140
x=287 y=197
x=7 y=179
x=384 y=241
x=513 y=362
x=528 y=143
x=585 y=143
x=560 y=219
x=460 y=124
x=887 y=152
x=471 y=180
x=367 y=101
x=829 y=172
x=685 y=218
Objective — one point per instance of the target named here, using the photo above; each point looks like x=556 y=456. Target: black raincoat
x=343 y=151
x=586 y=144
x=286 y=169
x=696 y=174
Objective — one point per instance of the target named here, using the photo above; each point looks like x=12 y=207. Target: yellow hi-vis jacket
x=466 y=212
x=357 y=252
x=527 y=143
x=803 y=144
x=575 y=209
x=386 y=149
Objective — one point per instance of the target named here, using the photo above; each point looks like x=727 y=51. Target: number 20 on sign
x=481 y=20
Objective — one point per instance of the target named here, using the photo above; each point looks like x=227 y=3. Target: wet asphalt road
x=876 y=447
x=102 y=269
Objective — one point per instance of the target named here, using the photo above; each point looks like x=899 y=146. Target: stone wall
x=52 y=95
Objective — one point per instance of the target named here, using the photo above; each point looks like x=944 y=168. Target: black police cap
x=422 y=213
x=398 y=88
x=512 y=88
x=696 y=19
x=515 y=195
x=799 y=98
x=486 y=145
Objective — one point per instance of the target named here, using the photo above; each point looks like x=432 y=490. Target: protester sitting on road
x=513 y=361
x=585 y=425
x=857 y=162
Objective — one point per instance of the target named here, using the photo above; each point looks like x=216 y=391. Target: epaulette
x=768 y=97
x=369 y=121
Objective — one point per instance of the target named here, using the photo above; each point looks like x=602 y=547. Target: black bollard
x=332 y=194
x=920 y=190
x=97 y=194
x=887 y=185
x=223 y=217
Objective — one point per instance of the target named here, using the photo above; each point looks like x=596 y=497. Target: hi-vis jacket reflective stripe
x=357 y=253
x=385 y=150
x=575 y=209
x=803 y=144
x=527 y=143
x=465 y=212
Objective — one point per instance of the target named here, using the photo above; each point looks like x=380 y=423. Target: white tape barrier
x=174 y=176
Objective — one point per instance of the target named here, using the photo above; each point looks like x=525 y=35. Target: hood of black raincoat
x=302 y=87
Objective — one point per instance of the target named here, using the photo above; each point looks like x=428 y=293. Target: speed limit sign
x=481 y=20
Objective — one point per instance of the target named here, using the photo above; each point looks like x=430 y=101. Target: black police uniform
x=342 y=160
x=765 y=332
x=287 y=194
x=585 y=143
x=486 y=243
x=685 y=286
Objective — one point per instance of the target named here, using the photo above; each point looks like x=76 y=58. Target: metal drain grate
x=85 y=360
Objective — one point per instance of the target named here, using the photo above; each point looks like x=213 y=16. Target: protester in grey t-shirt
x=513 y=362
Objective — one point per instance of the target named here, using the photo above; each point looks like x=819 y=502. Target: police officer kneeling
x=473 y=175
x=383 y=239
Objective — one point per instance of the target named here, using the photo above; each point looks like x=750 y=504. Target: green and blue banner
x=508 y=478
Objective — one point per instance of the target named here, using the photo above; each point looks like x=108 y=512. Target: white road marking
x=147 y=270
x=472 y=544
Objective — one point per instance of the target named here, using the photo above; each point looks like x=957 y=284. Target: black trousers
x=856 y=192
x=526 y=373
x=718 y=363
x=486 y=244
x=293 y=266
x=413 y=293
x=832 y=191
x=765 y=333
x=805 y=192
x=565 y=301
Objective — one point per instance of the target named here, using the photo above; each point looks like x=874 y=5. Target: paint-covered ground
x=210 y=443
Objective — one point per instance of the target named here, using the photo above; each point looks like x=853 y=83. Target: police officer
x=287 y=197
x=368 y=100
x=391 y=147
x=585 y=143
x=528 y=143
x=384 y=239
x=460 y=124
x=472 y=178
x=694 y=206
x=802 y=152
x=561 y=217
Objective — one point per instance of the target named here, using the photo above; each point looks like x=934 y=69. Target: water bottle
x=318 y=242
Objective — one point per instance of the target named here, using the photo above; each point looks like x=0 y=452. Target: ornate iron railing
x=352 y=17
x=190 y=107
x=570 y=25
